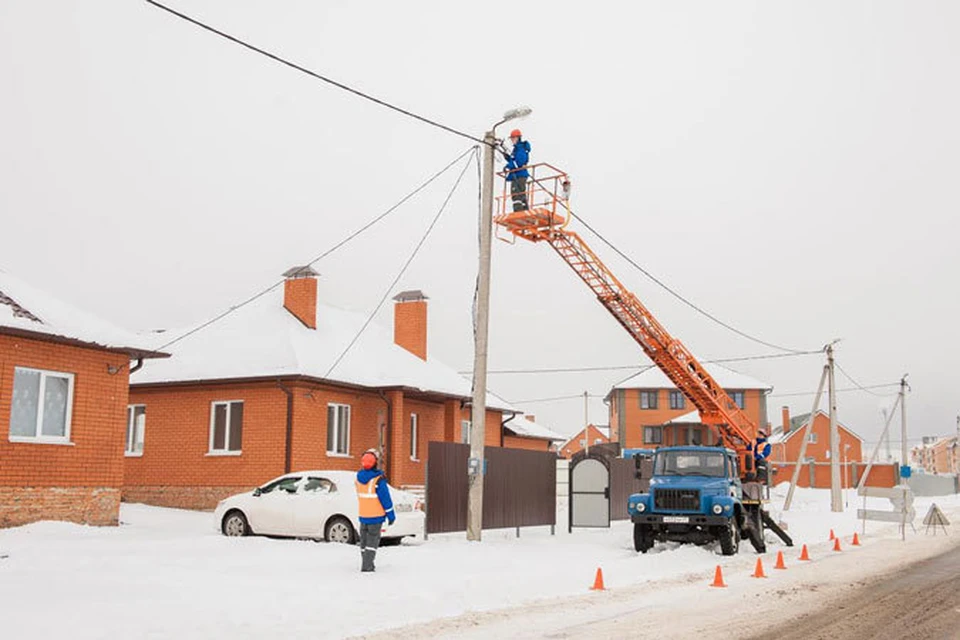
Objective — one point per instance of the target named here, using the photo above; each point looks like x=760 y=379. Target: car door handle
x=606 y=492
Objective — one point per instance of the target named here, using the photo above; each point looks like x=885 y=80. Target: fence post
x=426 y=493
x=813 y=474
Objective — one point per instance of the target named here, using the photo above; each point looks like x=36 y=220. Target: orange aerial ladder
x=545 y=219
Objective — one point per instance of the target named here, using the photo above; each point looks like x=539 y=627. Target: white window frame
x=676 y=397
x=466 y=427
x=226 y=436
x=129 y=451
x=336 y=437
x=812 y=437
x=414 y=435
x=37 y=437
x=651 y=398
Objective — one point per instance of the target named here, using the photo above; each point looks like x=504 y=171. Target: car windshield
x=690 y=463
x=287 y=484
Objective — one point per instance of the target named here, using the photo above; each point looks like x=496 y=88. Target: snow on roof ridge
x=653 y=378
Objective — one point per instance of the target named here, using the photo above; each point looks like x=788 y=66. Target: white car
x=313 y=504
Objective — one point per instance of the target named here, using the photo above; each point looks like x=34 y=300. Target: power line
x=857 y=384
x=326 y=253
x=556 y=398
x=619 y=367
x=858 y=388
x=677 y=295
x=314 y=74
x=403 y=269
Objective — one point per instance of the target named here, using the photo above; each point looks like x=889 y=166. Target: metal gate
x=589 y=493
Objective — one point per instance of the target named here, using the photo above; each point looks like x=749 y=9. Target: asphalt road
x=921 y=601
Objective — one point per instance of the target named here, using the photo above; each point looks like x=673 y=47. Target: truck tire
x=729 y=537
x=642 y=538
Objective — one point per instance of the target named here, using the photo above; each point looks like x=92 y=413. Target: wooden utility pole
x=478 y=412
x=836 y=493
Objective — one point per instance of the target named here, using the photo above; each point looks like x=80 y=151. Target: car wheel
x=340 y=530
x=235 y=524
x=390 y=542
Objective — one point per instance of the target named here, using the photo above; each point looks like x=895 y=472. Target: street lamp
x=478 y=409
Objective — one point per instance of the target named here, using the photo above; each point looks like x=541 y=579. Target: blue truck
x=696 y=495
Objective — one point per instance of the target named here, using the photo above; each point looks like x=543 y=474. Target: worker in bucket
x=517 y=159
x=761 y=451
x=375 y=506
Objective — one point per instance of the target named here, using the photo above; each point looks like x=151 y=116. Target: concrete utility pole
x=586 y=426
x=478 y=410
x=836 y=494
x=903 y=421
x=805 y=439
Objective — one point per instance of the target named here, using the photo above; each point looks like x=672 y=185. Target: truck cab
x=695 y=496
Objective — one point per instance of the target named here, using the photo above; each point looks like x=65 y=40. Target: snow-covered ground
x=168 y=573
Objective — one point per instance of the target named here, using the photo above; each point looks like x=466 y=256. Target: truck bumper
x=695 y=519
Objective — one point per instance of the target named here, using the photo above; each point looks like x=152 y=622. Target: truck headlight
x=718 y=509
x=641 y=507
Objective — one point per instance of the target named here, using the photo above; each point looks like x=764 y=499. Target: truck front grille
x=677 y=499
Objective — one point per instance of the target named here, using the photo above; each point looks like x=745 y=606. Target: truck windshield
x=690 y=463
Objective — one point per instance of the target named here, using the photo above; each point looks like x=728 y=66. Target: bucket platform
x=547 y=196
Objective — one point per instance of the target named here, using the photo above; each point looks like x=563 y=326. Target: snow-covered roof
x=798 y=423
x=693 y=417
x=530 y=429
x=653 y=378
x=262 y=339
x=26 y=309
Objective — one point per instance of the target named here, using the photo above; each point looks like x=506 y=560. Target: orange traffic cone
x=856 y=540
x=803 y=554
x=832 y=536
x=780 y=564
x=598 y=581
x=758 y=571
x=718 y=578
x=836 y=544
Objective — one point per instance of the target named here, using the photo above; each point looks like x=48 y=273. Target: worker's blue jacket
x=519 y=158
x=383 y=492
x=761 y=450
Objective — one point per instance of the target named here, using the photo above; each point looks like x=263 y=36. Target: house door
x=589 y=494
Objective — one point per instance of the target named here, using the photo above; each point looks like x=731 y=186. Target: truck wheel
x=642 y=538
x=729 y=536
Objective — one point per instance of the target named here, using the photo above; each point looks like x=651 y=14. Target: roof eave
x=132 y=352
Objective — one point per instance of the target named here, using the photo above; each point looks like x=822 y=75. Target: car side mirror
x=257 y=492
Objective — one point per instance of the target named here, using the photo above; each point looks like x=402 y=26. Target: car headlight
x=641 y=507
x=718 y=509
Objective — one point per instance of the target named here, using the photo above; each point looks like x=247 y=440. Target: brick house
x=523 y=432
x=648 y=411
x=938 y=455
x=578 y=441
x=63 y=395
x=264 y=391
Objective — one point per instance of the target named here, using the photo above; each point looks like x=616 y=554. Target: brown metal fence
x=623 y=482
x=519 y=488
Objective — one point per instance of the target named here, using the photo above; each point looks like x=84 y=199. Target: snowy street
x=168 y=573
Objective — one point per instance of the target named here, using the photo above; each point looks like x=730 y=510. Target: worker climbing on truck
x=517 y=160
x=761 y=451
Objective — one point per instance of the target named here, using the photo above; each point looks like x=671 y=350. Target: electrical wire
x=326 y=253
x=679 y=297
x=556 y=398
x=857 y=384
x=314 y=74
x=403 y=269
x=858 y=388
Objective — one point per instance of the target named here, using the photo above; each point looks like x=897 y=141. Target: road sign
x=901 y=499
x=935 y=518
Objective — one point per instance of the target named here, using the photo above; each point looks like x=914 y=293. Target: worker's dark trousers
x=369 y=542
x=518 y=191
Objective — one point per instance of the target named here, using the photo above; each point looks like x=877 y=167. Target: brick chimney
x=300 y=294
x=410 y=322
x=785 y=412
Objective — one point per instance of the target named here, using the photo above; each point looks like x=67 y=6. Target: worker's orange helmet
x=515 y=133
x=369 y=459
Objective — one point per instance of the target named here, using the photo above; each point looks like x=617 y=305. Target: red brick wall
x=881 y=475
x=410 y=327
x=636 y=418
x=573 y=445
x=789 y=451
x=176 y=470
x=70 y=482
x=530 y=444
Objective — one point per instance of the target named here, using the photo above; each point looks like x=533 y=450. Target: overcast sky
x=789 y=166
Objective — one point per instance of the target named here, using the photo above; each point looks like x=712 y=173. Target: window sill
x=221 y=454
x=133 y=454
x=333 y=454
x=28 y=440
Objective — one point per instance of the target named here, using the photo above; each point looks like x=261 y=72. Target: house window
x=136 y=421
x=598 y=441
x=583 y=442
x=226 y=427
x=677 y=400
x=338 y=429
x=465 y=427
x=41 y=406
x=653 y=435
x=812 y=438
x=738 y=398
x=414 y=419
x=648 y=399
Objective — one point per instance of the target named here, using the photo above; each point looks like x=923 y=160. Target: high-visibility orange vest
x=370 y=506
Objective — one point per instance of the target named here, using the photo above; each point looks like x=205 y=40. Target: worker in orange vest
x=375 y=506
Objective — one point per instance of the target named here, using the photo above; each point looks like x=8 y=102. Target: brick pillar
x=785 y=417
x=451 y=421
x=395 y=448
